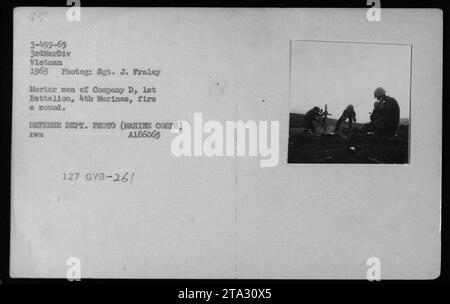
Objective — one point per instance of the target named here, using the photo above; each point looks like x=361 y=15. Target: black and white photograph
x=350 y=102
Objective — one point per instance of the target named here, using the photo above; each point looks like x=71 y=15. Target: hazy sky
x=339 y=74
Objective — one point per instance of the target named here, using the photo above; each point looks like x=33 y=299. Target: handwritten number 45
x=35 y=16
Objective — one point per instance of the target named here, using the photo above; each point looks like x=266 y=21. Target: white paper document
x=232 y=143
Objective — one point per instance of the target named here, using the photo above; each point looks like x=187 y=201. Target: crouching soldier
x=309 y=119
x=349 y=113
x=385 y=116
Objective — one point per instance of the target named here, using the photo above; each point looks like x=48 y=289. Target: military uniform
x=349 y=113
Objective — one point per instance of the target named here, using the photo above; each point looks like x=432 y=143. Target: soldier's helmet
x=379 y=92
x=316 y=109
